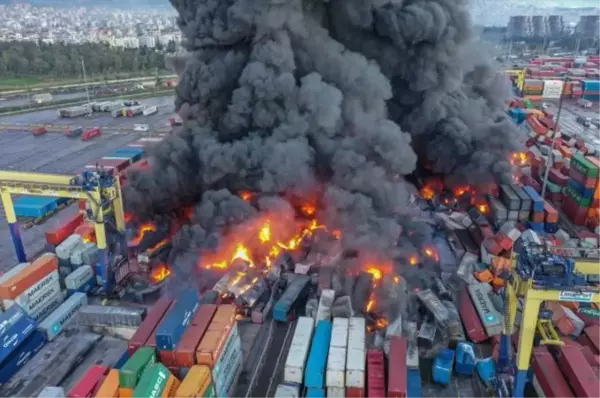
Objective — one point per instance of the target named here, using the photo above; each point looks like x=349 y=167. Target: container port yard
x=493 y=290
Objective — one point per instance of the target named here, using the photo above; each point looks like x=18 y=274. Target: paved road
x=53 y=128
x=568 y=122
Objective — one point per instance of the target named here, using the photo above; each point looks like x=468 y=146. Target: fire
x=308 y=209
x=427 y=192
x=396 y=279
x=371 y=303
x=460 y=191
x=483 y=208
x=519 y=159
x=128 y=217
x=376 y=272
x=432 y=253
x=246 y=195
x=337 y=233
x=160 y=273
x=159 y=245
x=241 y=252
x=265 y=233
x=148 y=227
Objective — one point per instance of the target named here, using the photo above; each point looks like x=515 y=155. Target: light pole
x=556 y=134
x=87 y=91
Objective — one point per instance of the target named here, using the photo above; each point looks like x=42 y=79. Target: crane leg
x=13 y=225
x=526 y=334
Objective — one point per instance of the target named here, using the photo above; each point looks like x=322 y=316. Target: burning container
x=290 y=297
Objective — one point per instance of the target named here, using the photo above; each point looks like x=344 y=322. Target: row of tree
x=29 y=59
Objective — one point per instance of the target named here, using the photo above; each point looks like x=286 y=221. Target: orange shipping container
x=212 y=343
x=16 y=285
x=195 y=383
x=171 y=387
x=125 y=392
x=110 y=385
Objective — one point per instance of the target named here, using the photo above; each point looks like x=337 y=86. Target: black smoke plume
x=331 y=97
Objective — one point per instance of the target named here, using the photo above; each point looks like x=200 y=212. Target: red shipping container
x=551 y=213
x=167 y=358
x=147 y=327
x=66 y=226
x=81 y=204
x=557 y=177
x=578 y=372
x=39 y=131
x=185 y=351
x=468 y=314
x=355 y=392
x=90 y=381
x=87 y=232
x=588 y=320
x=577 y=214
x=593 y=333
x=397 y=372
x=42 y=266
x=548 y=375
x=492 y=246
x=592 y=358
x=537 y=216
x=503 y=241
x=375 y=373
x=118 y=164
x=588 y=182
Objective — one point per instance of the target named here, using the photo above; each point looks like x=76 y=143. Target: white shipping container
x=150 y=110
x=339 y=333
x=225 y=380
x=356 y=354
x=336 y=367
x=55 y=323
x=575 y=320
x=47 y=307
x=325 y=303
x=79 y=277
x=52 y=392
x=287 y=390
x=336 y=392
x=37 y=289
x=63 y=251
x=230 y=344
x=228 y=362
x=412 y=356
x=34 y=305
x=77 y=253
x=298 y=353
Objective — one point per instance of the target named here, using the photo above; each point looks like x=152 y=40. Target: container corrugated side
x=339 y=332
x=185 y=353
x=336 y=367
x=175 y=322
x=324 y=307
x=48 y=306
x=298 y=353
x=314 y=375
x=210 y=348
x=131 y=372
x=171 y=387
x=16 y=327
x=22 y=355
x=54 y=323
x=355 y=359
x=148 y=326
x=489 y=316
x=336 y=392
x=153 y=381
x=38 y=289
x=50 y=291
x=17 y=284
x=222 y=368
x=63 y=251
x=79 y=277
x=229 y=373
x=195 y=383
x=88 y=383
x=110 y=386
x=52 y=392
x=289 y=390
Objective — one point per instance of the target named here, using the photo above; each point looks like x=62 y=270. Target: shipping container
x=185 y=352
x=109 y=388
x=118 y=164
x=290 y=297
x=489 y=316
x=39 y=131
x=52 y=392
x=171 y=387
x=197 y=383
x=35 y=291
x=34 y=206
x=17 y=284
x=578 y=372
x=473 y=326
x=150 y=323
x=21 y=355
x=355 y=360
x=217 y=337
x=105 y=315
x=47 y=307
x=171 y=328
x=289 y=390
x=80 y=277
x=336 y=358
x=56 y=321
x=315 y=392
x=435 y=306
x=153 y=381
x=375 y=374
x=325 y=304
x=63 y=229
x=64 y=249
x=397 y=371
x=150 y=110
x=314 y=375
x=413 y=382
x=131 y=372
x=336 y=392
x=42 y=297
x=16 y=327
x=298 y=352
x=89 y=382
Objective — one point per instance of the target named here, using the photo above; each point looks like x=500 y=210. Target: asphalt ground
x=568 y=121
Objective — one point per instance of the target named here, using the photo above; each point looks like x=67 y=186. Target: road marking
x=260 y=360
x=279 y=357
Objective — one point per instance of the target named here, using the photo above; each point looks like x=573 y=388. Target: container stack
x=581 y=187
x=591 y=90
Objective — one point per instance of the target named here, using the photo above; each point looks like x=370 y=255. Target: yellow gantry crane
x=101 y=191
x=534 y=296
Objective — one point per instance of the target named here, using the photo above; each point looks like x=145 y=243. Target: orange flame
x=246 y=195
x=460 y=191
x=519 y=159
x=241 y=252
x=483 y=208
x=413 y=260
x=427 y=192
x=376 y=272
x=128 y=217
x=371 y=303
x=148 y=227
x=308 y=209
x=159 y=245
x=160 y=273
x=432 y=253
x=265 y=233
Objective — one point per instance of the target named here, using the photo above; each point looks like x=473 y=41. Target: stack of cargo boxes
x=35 y=311
x=329 y=363
x=532 y=89
x=185 y=347
x=591 y=90
x=581 y=188
x=37 y=206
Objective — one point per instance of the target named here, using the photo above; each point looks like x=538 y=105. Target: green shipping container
x=528 y=103
x=584 y=166
x=552 y=187
x=581 y=201
x=153 y=381
x=210 y=391
x=133 y=369
x=593 y=312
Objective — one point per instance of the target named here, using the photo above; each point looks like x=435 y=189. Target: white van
x=141 y=127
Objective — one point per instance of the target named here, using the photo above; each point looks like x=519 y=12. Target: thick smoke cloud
x=330 y=97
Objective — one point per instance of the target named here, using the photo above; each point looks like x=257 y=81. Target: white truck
x=141 y=127
x=584 y=103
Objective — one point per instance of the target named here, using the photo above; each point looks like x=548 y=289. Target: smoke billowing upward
x=329 y=98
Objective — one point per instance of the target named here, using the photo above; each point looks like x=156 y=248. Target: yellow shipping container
x=195 y=383
x=110 y=385
x=171 y=387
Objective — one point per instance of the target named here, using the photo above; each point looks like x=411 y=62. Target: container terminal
x=501 y=300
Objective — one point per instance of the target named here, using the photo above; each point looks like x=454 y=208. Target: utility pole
x=87 y=91
x=556 y=134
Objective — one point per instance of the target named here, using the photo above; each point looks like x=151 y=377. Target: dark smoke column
x=447 y=95
x=274 y=104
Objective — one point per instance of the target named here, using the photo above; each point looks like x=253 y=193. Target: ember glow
x=160 y=273
x=144 y=228
x=427 y=192
x=460 y=191
x=519 y=159
x=413 y=260
x=159 y=245
x=376 y=272
x=308 y=209
x=432 y=253
x=247 y=196
x=260 y=241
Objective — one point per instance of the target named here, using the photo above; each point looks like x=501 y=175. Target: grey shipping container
x=509 y=197
x=99 y=315
x=523 y=197
x=56 y=322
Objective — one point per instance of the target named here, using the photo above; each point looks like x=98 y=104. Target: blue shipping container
x=289 y=297
x=34 y=206
x=413 y=384
x=15 y=327
x=465 y=358
x=122 y=360
x=315 y=393
x=442 y=367
x=591 y=97
x=447 y=259
x=171 y=328
x=536 y=200
x=591 y=85
x=22 y=355
x=585 y=193
x=314 y=375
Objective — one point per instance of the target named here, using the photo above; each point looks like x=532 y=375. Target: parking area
x=160 y=119
x=568 y=122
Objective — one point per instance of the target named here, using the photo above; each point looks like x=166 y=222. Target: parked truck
x=582 y=102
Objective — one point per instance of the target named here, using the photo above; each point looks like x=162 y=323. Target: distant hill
x=92 y=3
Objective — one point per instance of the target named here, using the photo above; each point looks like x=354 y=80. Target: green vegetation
x=27 y=64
